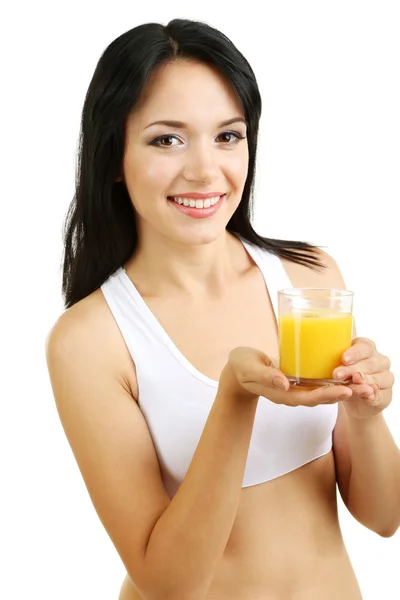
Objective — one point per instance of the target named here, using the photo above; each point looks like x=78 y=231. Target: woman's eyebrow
x=180 y=125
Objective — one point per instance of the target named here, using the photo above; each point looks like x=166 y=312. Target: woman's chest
x=283 y=438
x=206 y=331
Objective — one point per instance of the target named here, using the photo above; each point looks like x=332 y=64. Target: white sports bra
x=175 y=398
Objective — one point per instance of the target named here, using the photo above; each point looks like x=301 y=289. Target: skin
x=192 y=259
x=196 y=264
x=180 y=254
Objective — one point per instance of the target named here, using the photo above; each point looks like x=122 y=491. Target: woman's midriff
x=285 y=544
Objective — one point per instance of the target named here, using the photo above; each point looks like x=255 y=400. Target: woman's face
x=201 y=155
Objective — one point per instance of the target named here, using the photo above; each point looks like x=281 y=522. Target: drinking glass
x=315 y=328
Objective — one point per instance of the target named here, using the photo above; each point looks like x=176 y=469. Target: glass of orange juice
x=315 y=328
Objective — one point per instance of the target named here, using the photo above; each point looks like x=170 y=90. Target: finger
x=331 y=394
x=381 y=380
x=363 y=390
x=362 y=348
x=255 y=371
x=249 y=363
x=373 y=364
x=264 y=381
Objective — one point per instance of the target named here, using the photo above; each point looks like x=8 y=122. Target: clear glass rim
x=296 y=292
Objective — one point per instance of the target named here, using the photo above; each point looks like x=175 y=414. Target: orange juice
x=311 y=343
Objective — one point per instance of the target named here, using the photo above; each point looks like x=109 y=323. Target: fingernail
x=344 y=396
x=279 y=383
x=361 y=375
x=341 y=373
x=348 y=359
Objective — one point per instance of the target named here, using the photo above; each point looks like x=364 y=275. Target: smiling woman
x=213 y=479
x=198 y=156
x=160 y=100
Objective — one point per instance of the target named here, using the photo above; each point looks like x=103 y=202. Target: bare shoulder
x=90 y=323
x=106 y=431
x=302 y=276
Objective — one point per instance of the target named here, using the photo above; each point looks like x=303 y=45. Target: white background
x=328 y=172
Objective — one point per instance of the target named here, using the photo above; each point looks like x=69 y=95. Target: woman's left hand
x=371 y=380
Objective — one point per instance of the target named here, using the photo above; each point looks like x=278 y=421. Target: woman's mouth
x=197 y=208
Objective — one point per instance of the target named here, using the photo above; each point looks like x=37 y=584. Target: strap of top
x=272 y=269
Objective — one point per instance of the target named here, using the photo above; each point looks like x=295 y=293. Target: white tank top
x=175 y=398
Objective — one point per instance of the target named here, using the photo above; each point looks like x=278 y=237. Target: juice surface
x=311 y=344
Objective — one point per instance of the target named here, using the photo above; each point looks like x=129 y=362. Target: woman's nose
x=201 y=164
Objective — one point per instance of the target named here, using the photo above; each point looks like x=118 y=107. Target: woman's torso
x=286 y=541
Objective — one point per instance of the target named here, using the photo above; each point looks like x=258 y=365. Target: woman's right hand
x=250 y=373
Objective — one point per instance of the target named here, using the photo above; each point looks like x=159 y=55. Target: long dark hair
x=100 y=232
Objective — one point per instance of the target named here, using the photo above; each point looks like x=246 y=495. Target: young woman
x=212 y=476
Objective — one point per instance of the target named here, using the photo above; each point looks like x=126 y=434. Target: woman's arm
x=368 y=471
x=170 y=548
x=374 y=487
x=189 y=539
x=366 y=456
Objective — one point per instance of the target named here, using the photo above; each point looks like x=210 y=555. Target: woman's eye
x=157 y=141
x=235 y=135
x=228 y=134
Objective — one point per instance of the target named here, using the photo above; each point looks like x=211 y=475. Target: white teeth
x=197 y=203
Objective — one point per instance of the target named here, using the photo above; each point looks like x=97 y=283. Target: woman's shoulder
x=86 y=320
x=89 y=324
x=305 y=276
